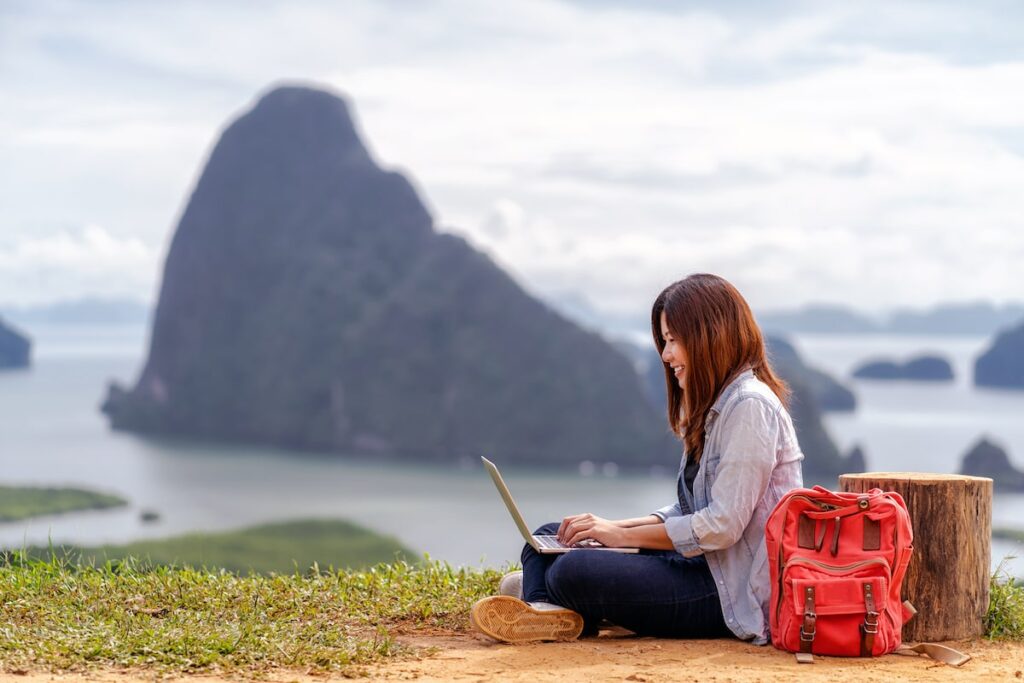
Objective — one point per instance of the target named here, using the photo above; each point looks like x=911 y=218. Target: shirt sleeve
x=748 y=450
x=668 y=511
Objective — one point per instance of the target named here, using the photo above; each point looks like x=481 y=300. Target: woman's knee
x=575 y=576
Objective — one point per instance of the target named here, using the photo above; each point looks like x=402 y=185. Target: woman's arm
x=634 y=522
x=637 y=532
x=748 y=453
x=588 y=520
x=651 y=536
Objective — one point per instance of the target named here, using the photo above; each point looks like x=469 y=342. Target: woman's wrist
x=647 y=536
x=638 y=521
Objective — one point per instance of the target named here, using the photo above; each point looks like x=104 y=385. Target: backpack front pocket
x=836 y=609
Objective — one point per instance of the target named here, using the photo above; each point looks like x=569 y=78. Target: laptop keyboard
x=550 y=542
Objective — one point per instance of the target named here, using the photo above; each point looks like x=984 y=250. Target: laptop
x=542 y=544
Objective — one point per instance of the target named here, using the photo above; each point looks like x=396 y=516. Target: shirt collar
x=731 y=388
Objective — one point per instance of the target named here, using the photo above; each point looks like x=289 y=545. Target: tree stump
x=948 y=577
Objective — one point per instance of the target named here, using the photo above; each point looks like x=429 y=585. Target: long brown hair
x=717 y=330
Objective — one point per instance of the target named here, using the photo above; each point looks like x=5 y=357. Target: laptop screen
x=509 y=503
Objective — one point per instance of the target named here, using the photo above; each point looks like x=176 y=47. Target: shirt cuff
x=667 y=511
x=680 y=532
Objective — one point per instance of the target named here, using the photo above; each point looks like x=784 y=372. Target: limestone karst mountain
x=1002 y=364
x=15 y=348
x=827 y=392
x=308 y=301
x=986 y=459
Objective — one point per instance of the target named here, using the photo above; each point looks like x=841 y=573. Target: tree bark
x=948 y=577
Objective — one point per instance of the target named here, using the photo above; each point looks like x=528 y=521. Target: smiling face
x=674 y=354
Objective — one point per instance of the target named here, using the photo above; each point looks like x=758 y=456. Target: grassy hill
x=21 y=502
x=279 y=548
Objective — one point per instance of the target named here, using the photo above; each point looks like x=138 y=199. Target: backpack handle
x=838 y=512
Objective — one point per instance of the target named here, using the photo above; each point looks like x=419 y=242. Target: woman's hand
x=576 y=528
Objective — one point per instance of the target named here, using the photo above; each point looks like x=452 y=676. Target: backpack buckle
x=870 y=624
x=869 y=628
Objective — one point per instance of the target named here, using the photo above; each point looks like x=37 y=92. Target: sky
x=869 y=153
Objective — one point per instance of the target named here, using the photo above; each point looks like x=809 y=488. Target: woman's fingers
x=565 y=522
x=573 y=528
x=582 y=534
x=577 y=530
x=567 y=532
x=562 y=528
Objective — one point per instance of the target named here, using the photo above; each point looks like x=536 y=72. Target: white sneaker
x=511 y=620
x=511 y=585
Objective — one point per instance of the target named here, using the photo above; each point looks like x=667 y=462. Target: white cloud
x=70 y=264
x=839 y=153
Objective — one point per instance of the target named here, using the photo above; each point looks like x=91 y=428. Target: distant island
x=1002 y=364
x=817 y=318
x=922 y=368
x=978 y=318
x=23 y=502
x=15 y=348
x=985 y=459
x=308 y=301
x=83 y=311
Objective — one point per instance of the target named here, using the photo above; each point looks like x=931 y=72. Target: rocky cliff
x=985 y=459
x=308 y=301
x=828 y=393
x=1002 y=364
x=15 y=348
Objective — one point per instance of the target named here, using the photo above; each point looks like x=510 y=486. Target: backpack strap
x=939 y=653
x=870 y=626
x=807 y=629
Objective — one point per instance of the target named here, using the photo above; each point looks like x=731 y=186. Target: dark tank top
x=690 y=473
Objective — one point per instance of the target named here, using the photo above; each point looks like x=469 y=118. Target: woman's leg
x=510 y=620
x=535 y=568
x=654 y=593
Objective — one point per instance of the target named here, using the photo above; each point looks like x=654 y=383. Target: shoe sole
x=514 y=621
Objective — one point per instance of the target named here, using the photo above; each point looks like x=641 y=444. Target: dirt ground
x=614 y=657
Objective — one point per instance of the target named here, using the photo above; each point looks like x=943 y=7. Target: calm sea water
x=53 y=434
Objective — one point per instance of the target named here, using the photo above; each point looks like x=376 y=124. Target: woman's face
x=673 y=353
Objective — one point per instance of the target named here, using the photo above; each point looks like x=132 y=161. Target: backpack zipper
x=816 y=503
x=837 y=568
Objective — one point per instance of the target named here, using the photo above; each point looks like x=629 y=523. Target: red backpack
x=837 y=562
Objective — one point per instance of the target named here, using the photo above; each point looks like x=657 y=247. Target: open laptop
x=542 y=544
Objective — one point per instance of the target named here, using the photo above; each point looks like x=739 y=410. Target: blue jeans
x=653 y=593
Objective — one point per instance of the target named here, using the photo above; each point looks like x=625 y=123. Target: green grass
x=58 y=616
x=17 y=502
x=280 y=547
x=1005 y=617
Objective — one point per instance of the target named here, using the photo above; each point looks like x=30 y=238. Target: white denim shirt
x=751 y=458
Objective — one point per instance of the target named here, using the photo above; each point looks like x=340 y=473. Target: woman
x=703 y=567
